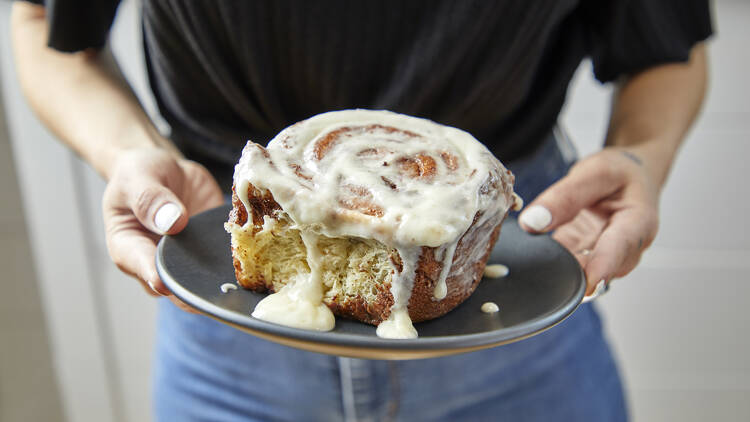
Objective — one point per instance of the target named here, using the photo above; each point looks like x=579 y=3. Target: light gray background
x=76 y=336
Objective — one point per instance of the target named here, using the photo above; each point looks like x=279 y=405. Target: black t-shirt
x=226 y=71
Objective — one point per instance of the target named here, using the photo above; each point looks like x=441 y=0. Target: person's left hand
x=605 y=211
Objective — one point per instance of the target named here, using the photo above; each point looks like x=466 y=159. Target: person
x=223 y=72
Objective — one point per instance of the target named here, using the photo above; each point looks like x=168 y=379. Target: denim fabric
x=207 y=371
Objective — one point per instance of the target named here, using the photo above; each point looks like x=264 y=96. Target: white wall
x=678 y=323
x=100 y=322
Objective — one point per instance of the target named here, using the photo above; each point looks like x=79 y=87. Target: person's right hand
x=151 y=193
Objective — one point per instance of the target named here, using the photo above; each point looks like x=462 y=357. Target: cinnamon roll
x=380 y=217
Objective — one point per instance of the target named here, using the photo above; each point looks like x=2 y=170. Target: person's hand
x=151 y=193
x=605 y=211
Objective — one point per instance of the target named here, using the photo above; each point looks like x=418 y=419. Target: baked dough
x=380 y=217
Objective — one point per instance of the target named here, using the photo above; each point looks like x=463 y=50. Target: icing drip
x=403 y=181
x=441 y=288
x=517 y=202
x=398 y=324
x=490 y=307
x=227 y=287
x=496 y=271
x=300 y=303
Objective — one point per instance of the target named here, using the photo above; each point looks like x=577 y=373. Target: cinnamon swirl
x=371 y=215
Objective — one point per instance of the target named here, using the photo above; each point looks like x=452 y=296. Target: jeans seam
x=395 y=396
x=347 y=390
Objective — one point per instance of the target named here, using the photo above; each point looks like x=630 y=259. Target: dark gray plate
x=544 y=286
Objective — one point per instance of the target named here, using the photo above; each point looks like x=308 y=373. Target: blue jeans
x=207 y=371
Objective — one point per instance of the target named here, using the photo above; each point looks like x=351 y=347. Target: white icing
x=517 y=202
x=374 y=158
x=300 y=303
x=290 y=306
x=268 y=223
x=398 y=325
x=441 y=288
x=227 y=287
x=496 y=271
x=490 y=307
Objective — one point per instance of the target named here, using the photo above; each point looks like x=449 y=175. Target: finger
x=182 y=305
x=156 y=207
x=133 y=252
x=621 y=245
x=149 y=291
x=574 y=245
x=587 y=183
x=147 y=266
x=581 y=232
x=201 y=191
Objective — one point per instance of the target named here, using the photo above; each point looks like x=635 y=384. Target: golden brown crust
x=359 y=309
x=461 y=282
x=463 y=278
x=262 y=204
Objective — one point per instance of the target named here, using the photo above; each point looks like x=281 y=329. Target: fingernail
x=166 y=216
x=601 y=287
x=151 y=285
x=536 y=217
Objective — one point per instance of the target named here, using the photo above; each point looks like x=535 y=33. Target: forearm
x=82 y=97
x=654 y=109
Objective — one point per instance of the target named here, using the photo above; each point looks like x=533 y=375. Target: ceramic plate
x=544 y=286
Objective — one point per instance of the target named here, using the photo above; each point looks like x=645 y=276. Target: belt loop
x=395 y=391
x=347 y=390
x=564 y=144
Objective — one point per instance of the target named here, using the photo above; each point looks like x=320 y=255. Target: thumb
x=157 y=208
x=586 y=184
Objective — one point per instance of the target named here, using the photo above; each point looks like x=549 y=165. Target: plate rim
x=486 y=338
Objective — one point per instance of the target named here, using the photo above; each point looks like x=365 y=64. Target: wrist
x=134 y=138
x=654 y=156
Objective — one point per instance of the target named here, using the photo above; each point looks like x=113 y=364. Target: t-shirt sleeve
x=627 y=36
x=75 y=25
